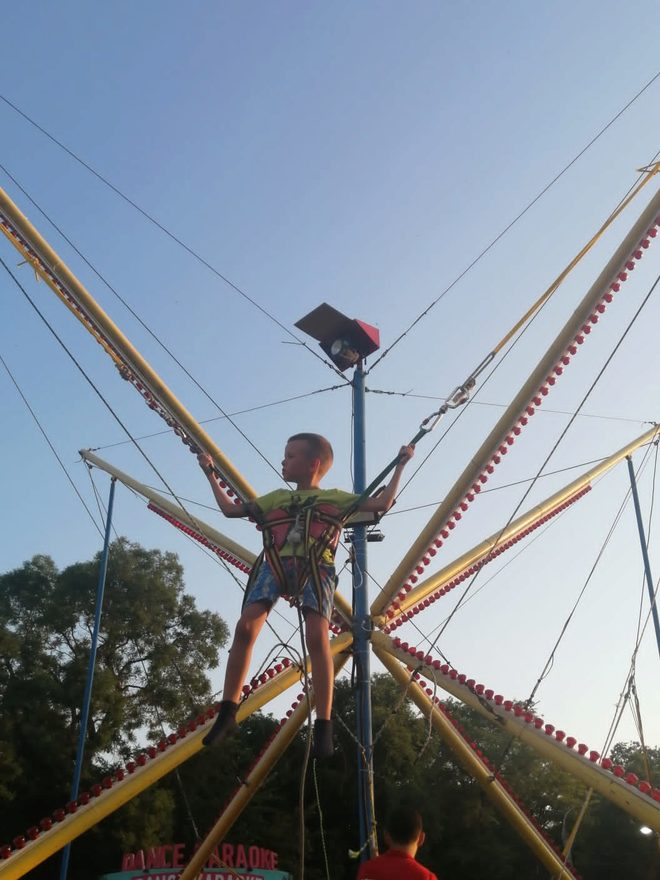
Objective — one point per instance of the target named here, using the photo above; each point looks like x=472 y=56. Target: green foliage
x=154 y=649
x=466 y=836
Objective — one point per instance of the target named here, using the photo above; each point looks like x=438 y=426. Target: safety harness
x=313 y=525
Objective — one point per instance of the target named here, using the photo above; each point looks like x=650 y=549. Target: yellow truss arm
x=175 y=510
x=52 y=269
x=477 y=768
x=625 y=795
x=74 y=824
x=500 y=538
x=498 y=435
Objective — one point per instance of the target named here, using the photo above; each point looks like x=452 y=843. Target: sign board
x=207 y=874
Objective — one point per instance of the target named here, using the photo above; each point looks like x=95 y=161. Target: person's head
x=307 y=457
x=403 y=829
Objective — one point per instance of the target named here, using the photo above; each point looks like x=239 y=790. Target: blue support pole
x=87 y=698
x=362 y=631
x=645 y=551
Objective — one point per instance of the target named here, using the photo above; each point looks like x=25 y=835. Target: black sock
x=224 y=724
x=323 y=746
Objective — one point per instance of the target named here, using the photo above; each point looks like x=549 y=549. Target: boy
x=403 y=836
x=301 y=531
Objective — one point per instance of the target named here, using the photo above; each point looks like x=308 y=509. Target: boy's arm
x=385 y=500
x=225 y=503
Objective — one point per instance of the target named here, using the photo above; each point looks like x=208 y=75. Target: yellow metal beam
x=86 y=816
x=499 y=538
x=625 y=796
x=252 y=783
x=175 y=510
x=474 y=765
x=498 y=435
x=30 y=243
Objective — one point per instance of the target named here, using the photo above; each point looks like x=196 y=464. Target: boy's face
x=297 y=465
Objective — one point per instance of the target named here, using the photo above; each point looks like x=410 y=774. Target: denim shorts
x=266 y=587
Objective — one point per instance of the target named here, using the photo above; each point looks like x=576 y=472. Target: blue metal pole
x=87 y=698
x=645 y=551
x=362 y=632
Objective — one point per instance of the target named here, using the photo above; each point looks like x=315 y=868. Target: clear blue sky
x=363 y=155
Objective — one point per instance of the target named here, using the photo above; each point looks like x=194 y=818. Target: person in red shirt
x=403 y=836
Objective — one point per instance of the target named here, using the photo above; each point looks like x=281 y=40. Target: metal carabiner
x=461 y=394
x=436 y=416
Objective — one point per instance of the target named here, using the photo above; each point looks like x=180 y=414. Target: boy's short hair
x=318 y=447
x=404 y=825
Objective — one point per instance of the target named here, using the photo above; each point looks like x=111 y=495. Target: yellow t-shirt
x=288 y=498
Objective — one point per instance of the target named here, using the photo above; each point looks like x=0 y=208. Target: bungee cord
x=132 y=367
x=459 y=397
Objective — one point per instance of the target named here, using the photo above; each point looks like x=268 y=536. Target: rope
x=168 y=233
x=571 y=467
x=462 y=394
x=99 y=502
x=623 y=204
x=519 y=216
x=52 y=448
x=318 y=805
x=88 y=380
x=637 y=716
x=112 y=412
x=472 y=400
x=238 y=412
x=544 y=411
x=648 y=532
x=544 y=673
x=499 y=764
x=308 y=746
x=631 y=688
x=555 y=446
x=142 y=322
x=496 y=574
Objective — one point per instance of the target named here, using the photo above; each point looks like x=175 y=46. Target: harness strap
x=314 y=551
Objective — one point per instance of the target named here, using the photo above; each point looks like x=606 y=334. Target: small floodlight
x=345 y=340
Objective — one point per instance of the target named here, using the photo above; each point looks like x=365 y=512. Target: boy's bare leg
x=240 y=654
x=318 y=646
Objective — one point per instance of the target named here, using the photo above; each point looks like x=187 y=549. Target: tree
x=466 y=835
x=154 y=649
